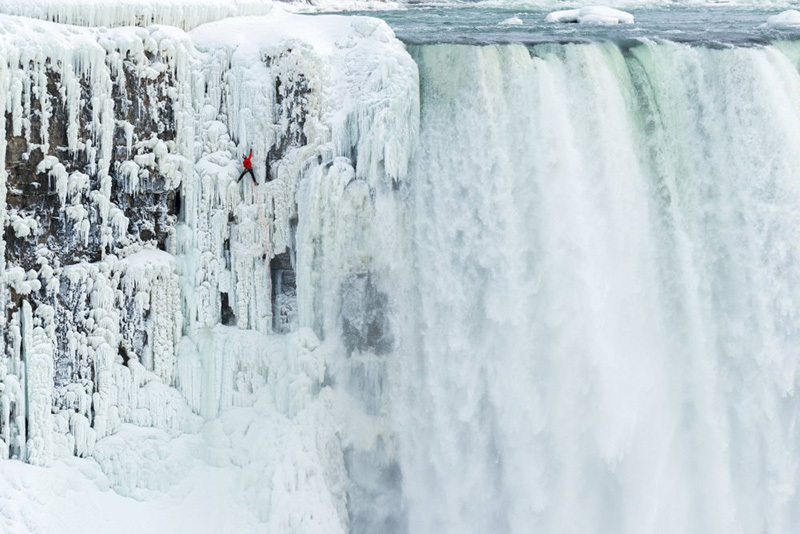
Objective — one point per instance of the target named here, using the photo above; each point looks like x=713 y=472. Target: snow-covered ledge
x=591 y=15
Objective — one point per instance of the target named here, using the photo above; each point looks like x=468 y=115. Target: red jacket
x=247 y=164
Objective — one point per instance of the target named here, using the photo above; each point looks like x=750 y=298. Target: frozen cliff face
x=91 y=175
x=131 y=255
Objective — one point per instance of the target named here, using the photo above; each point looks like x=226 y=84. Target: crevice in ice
x=284 y=293
x=227 y=315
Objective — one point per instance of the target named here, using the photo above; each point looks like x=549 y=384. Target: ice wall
x=143 y=285
x=90 y=168
x=184 y=14
x=604 y=332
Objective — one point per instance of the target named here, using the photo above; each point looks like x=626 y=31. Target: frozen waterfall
x=605 y=318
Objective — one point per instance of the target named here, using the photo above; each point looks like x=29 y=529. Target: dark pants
x=245 y=171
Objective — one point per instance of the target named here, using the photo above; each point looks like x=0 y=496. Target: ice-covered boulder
x=788 y=19
x=564 y=15
x=591 y=15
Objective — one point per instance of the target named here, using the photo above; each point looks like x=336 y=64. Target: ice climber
x=248 y=167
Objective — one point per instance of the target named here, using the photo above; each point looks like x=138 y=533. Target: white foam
x=511 y=21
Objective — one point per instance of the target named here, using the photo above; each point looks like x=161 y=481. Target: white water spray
x=606 y=316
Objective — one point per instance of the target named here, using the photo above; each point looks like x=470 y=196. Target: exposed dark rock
x=32 y=194
x=291 y=110
x=284 y=292
x=227 y=314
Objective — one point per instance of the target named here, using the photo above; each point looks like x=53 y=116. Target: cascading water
x=603 y=332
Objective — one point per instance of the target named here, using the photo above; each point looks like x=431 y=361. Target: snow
x=591 y=15
x=325 y=33
x=150 y=256
x=273 y=462
x=315 y=6
x=787 y=19
x=45 y=501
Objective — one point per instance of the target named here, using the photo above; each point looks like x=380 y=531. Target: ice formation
x=184 y=14
x=145 y=288
x=591 y=15
x=787 y=19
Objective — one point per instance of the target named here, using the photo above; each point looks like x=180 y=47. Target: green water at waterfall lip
x=481 y=24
